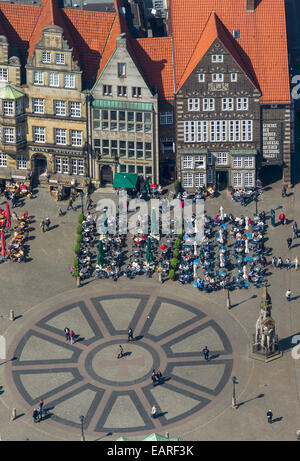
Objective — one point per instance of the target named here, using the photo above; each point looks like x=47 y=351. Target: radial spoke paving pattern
x=113 y=394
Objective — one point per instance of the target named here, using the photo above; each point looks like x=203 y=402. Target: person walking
x=295 y=230
x=121 y=352
x=47 y=222
x=270 y=416
x=289 y=242
x=153 y=377
x=42 y=225
x=35 y=415
x=159 y=376
x=67 y=333
x=288 y=263
x=89 y=202
x=279 y=263
x=205 y=352
x=153 y=413
x=130 y=335
x=41 y=404
x=273 y=218
x=296 y=263
x=288 y=295
x=282 y=218
x=72 y=336
x=283 y=192
x=70 y=204
x=274 y=261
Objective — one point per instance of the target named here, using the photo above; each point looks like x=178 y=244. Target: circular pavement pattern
x=113 y=394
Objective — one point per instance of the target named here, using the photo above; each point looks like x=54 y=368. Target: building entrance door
x=106 y=175
x=222 y=179
x=39 y=167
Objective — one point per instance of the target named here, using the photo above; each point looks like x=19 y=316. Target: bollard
x=11 y=315
x=228 y=305
x=13 y=414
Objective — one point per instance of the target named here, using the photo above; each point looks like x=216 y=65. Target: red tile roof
x=214 y=29
x=155 y=58
x=85 y=31
x=263 y=39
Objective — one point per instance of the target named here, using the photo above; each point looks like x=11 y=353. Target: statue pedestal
x=257 y=352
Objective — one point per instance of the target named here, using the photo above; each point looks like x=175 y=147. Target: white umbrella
x=245 y=273
x=247 y=223
x=195 y=248
x=246 y=247
x=222 y=212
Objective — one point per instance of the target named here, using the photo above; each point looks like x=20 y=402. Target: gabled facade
x=218 y=116
x=13 y=157
x=124 y=120
x=56 y=113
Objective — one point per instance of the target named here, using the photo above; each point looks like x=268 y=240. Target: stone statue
x=265 y=325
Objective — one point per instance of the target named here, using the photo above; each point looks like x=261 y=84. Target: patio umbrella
x=8 y=217
x=153 y=222
x=3 y=245
x=163 y=246
x=149 y=256
x=100 y=259
x=104 y=223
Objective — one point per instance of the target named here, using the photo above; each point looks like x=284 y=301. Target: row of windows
x=12 y=135
x=239 y=179
x=220 y=158
x=60 y=136
x=21 y=161
x=59 y=107
x=54 y=79
x=208 y=104
x=217 y=77
x=218 y=130
x=48 y=58
x=136 y=91
x=120 y=120
x=64 y=165
x=139 y=169
x=128 y=149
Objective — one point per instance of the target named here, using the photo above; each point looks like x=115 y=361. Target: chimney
x=250 y=5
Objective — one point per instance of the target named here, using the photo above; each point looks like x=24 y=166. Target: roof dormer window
x=46 y=57
x=59 y=58
x=217 y=58
x=236 y=33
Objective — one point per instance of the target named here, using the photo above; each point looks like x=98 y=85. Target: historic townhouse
x=233 y=107
x=44 y=111
x=82 y=99
x=13 y=156
x=124 y=118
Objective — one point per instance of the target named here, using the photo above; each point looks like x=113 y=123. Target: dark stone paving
x=117 y=394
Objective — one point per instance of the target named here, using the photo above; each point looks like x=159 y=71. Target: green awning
x=155 y=438
x=122 y=105
x=8 y=92
x=125 y=180
x=243 y=152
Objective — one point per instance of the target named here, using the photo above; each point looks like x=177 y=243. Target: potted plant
x=177 y=244
x=75 y=261
x=78 y=238
x=177 y=187
x=80 y=218
x=77 y=248
x=79 y=229
x=174 y=263
x=172 y=275
x=76 y=275
x=176 y=253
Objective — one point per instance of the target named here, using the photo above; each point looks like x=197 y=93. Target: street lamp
x=234 y=382
x=228 y=304
x=81 y=426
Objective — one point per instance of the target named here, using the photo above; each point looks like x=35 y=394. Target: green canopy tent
x=122 y=439
x=158 y=438
x=125 y=180
x=149 y=255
